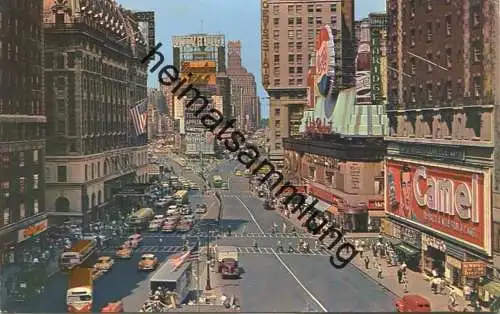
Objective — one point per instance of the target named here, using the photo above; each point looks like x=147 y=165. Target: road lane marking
x=299 y=282
x=251 y=215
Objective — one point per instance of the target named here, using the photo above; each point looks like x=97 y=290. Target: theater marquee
x=451 y=201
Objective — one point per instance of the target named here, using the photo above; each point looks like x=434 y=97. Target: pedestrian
x=379 y=270
x=367 y=262
x=360 y=250
x=400 y=275
x=403 y=267
x=284 y=227
x=405 y=284
x=467 y=292
x=434 y=285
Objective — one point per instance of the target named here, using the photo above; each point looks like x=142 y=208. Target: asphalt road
x=271 y=281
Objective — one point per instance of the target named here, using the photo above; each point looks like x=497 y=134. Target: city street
x=271 y=281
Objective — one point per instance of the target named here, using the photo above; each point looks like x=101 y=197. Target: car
x=104 y=263
x=187 y=210
x=238 y=173
x=124 y=252
x=168 y=227
x=147 y=262
x=201 y=209
x=189 y=217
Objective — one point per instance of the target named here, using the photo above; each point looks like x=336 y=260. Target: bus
x=175 y=278
x=181 y=197
x=79 y=295
x=140 y=218
x=81 y=253
x=217 y=182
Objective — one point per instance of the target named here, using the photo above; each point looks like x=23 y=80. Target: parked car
x=147 y=262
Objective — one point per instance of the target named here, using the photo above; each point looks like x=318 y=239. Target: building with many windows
x=439 y=174
x=289 y=30
x=93 y=76
x=22 y=130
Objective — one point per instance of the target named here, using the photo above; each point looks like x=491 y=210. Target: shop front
x=409 y=247
x=376 y=212
x=450 y=208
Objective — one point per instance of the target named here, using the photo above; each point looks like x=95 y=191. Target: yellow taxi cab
x=148 y=262
x=238 y=173
x=124 y=252
x=137 y=238
x=96 y=273
x=104 y=263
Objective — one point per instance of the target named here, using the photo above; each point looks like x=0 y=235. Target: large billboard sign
x=199 y=41
x=450 y=201
x=325 y=53
x=204 y=72
x=376 y=78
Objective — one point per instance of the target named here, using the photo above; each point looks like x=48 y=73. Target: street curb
x=360 y=270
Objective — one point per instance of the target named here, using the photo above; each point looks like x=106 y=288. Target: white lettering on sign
x=447 y=196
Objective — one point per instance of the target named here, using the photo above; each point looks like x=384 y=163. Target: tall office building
x=243 y=89
x=288 y=31
x=93 y=76
x=439 y=175
x=22 y=131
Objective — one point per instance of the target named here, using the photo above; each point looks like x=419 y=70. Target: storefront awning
x=407 y=250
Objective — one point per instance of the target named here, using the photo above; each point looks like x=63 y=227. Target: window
x=334 y=20
x=429 y=65
x=298 y=34
x=276 y=9
x=35 y=207
x=61 y=127
x=429 y=92
x=299 y=59
x=276 y=21
x=35 y=181
x=277 y=146
x=449 y=91
x=276 y=70
x=413 y=94
x=333 y=7
x=98 y=169
x=290 y=34
x=5 y=186
x=276 y=58
x=276 y=46
x=277 y=123
x=299 y=45
x=277 y=82
x=448 y=57
x=6 y=216
x=412 y=8
x=276 y=33
x=35 y=155
x=429 y=5
x=300 y=82
x=299 y=70
x=413 y=66
x=61 y=106
x=291 y=82
x=291 y=21
x=21 y=159
x=298 y=21
x=412 y=38
x=22 y=211
x=477 y=86
x=476 y=52
x=448 y=25
x=476 y=19
x=277 y=111
x=277 y=134
x=310 y=8
x=92 y=171
x=290 y=9
x=62 y=174
x=429 y=31
x=291 y=45
x=86 y=172
x=291 y=70
x=318 y=7
x=21 y=184
x=298 y=8
x=310 y=34
x=310 y=45
x=310 y=20
x=291 y=58
x=319 y=20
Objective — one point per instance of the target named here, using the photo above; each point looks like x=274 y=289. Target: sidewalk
x=417 y=282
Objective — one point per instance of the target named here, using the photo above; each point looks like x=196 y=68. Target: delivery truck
x=227 y=262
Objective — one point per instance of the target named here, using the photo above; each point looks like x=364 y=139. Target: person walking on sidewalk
x=379 y=271
x=367 y=262
x=400 y=275
x=405 y=284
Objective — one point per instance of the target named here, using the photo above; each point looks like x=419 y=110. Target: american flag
x=139 y=114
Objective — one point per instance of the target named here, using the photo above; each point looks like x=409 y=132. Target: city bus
x=81 y=253
x=79 y=295
x=217 y=181
x=175 y=277
x=181 y=197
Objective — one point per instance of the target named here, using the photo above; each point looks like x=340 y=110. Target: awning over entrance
x=407 y=250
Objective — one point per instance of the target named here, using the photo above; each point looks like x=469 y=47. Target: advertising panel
x=376 y=84
x=199 y=41
x=265 y=44
x=450 y=201
x=33 y=230
x=204 y=72
x=363 y=88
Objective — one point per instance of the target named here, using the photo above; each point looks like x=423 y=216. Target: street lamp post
x=208 y=286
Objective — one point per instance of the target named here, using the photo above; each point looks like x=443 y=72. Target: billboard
x=376 y=79
x=450 y=201
x=204 y=72
x=363 y=88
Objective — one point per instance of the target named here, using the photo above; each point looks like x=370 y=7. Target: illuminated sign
x=199 y=41
x=449 y=201
x=376 y=85
x=265 y=45
x=204 y=72
x=33 y=230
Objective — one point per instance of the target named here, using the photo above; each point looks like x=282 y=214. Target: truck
x=227 y=262
x=82 y=253
x=79 y=296
x=174 y=278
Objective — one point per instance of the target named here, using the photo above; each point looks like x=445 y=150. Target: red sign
x=446 y=200
x=322 y=194
x=375 y=204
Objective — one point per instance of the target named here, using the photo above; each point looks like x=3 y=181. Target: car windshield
x=79 y=298
x=103 y=259
x=147 y=258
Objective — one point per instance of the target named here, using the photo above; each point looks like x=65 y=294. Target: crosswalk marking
x=271 y=251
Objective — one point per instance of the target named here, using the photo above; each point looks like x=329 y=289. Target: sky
x=236 y=19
